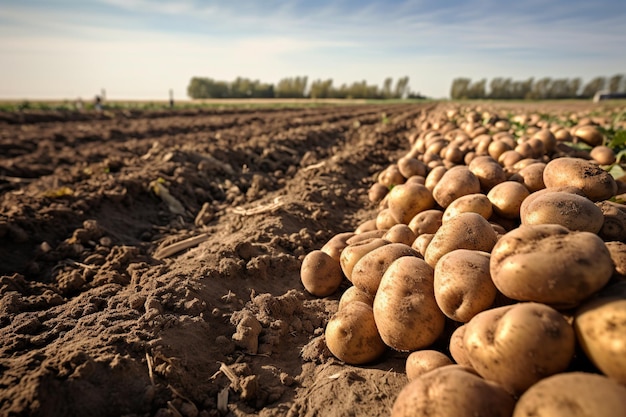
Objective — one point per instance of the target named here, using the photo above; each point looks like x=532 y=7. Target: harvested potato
x=471 y=203
x=600 y=325
x=385 y=220
x=488 y=172
x=464 y=231
x=573 y=394
x=573 y=211
x=452 y=391
x=336 y=244
x=321 y=275
x=353 y=252
x=409 y=167
x=422 y=361
x=391 y=176
x=434 y=176
x=355 y=294
x=407 y=200
x=547 y=138
x=550 y=264
x=603 y=155
x=400 y=233
x=507 y=197
x=589 y=134
x=531 y=176
x=457 y=348
x=463 y=286
x=595 y=183
x=352 y=336
x=614 y=221
x=360 y=237
x=618 y=256
x=518 y=345
x=422 y=241
x=377 y=192
x=428 y=221
x=366 y=226
x=369 y=269
x=405 y=309
x=456 y=182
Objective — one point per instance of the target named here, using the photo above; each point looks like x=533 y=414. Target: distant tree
x=200 y=87
x=477 y=90
x=292 y=87
x=321 y=89
x=402 y=87
x=615 y=83
x=593 y=86
x=460 y=88
x=387 y=85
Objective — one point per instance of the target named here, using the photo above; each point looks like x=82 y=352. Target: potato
x=473 y=203
x=589 y=134
x=519 y=345
x=385 y=220
x=353 y=252
x=596 y=183
x=457 y=348
x=407 y=200
x=600 y=325
x=336 y=244
x=352 y=336
x=391 y=176
x=488 y=172
x=456 y=182
x=463 y=286
x=464 y=231
x=550 y=264
x=377 y=192
x=573 y=394
x=400 y=233
x=355 y=294
x=434 y=176
x=422 y=361
x=320 y=274
x=366 y=226
x=507 y=197
x=369 y=270
x=405 y=309
x=531 y=176
x=409 y=167
x=452 y=391
x=547 y=138
x=614 y=221
x=422 y=241
x=428 y=221
x=618 y=256
x=370 y=234
x=603 y=155
x=569 y=210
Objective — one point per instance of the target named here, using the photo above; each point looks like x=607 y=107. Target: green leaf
x=616 y=171
x=618 y=140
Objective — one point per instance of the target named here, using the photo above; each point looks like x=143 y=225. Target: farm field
x=103 y=314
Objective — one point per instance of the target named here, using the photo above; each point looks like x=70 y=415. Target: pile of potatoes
x=505 y=247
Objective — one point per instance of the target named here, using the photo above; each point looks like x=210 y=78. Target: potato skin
x=596 y=183
x=452 y=391
x=369 y=270
x=422 y=361
x=405 y=309
x=426 y=222
x=406 y=200
x=550 y=264
x=321 y=275
x=573 y=394
x=400 y=233
x=572 y=211
x=355 y=294
x=336 y=244
x=352 y=336
x=464 y=231
x=456 y=182
x=351 y=254
x=457 y=348
x=463 y=285
x=474 y=203
x=518 y=345
x=507 y=197
x=488 y=172
x=600 y=325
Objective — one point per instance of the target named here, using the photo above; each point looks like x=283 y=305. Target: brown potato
x=385 y=220
x=550 y=264
x=355 y=294
x=518 y=345
x=452 y=391
x=464 y=231
x=507 y=197
x=409 y=167
x=360 y=237
x=589 y=134
x=427 y=221
x=488 y=172
x=422 y=241
x=573 y=211
x=463 y=286
x=457 y=348
x=456 y=182
x=320 y=274
x=366 y=226
x=377 y=192
x=369 y=269
x=407 y=200
x=391 y=176
x=573 y=394
x=352 y=336
x=600 y=325
x=353 y=252
x=547 y=138
x=614 y=221
x=531 y=176
x=472 y=203
x=405 y=309
x=618 y=256
x=596 y=183
x=400 y=233
x=422 y=361
x=434 y=176
x=603 y=155
x=336 y=244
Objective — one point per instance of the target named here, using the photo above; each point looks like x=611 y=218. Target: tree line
x=298 y=87
x=543 y=88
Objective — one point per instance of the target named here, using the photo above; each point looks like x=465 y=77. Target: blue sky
x=139 y=49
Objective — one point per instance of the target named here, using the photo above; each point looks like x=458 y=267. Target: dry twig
x=260 y=209
x=174 y=248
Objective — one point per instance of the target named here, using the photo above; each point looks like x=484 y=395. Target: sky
x=140 y=49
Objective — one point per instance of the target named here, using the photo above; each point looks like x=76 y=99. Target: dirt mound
x=151 y=260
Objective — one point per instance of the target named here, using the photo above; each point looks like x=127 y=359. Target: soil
x=99 y=316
